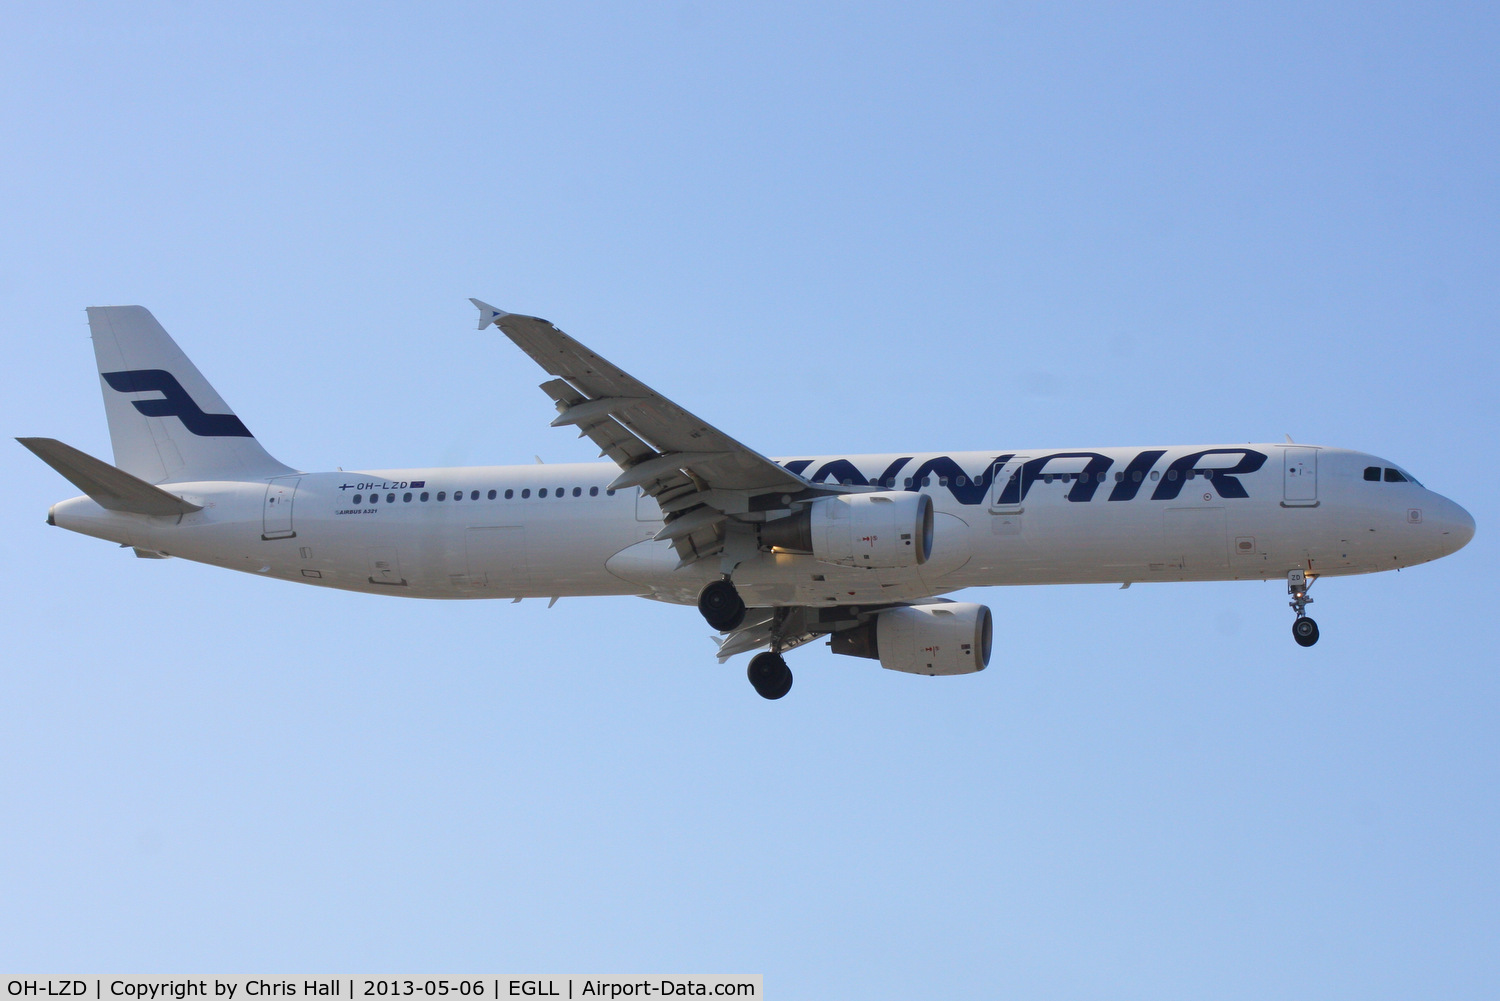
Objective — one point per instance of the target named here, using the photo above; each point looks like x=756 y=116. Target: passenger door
x=1301 y=478
x=277 y=509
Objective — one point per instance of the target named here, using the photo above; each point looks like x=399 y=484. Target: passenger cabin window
x=406 y=498
x=509 y=494
x=474 y=495
x=593 y=491
x=1372 y=473
x=542 y=492
x=492 y=495
x=442 y=495
x=358 y=498
x=424 y=496
x=1394 y=475
x=390 y=498
x=526 y=493
x=577 y=491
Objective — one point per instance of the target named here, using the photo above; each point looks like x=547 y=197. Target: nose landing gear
x=1304 y=629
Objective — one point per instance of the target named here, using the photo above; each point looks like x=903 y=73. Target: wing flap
x=757 y=635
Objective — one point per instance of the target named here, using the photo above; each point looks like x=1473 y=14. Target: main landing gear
x=724 y=610
x=722 y=605
x=769 y=675
x=1304 y=629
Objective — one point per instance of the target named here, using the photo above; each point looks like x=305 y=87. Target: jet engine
x=890 y=530
x=950 y=637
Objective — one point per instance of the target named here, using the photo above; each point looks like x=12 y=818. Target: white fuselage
x=1032 y=517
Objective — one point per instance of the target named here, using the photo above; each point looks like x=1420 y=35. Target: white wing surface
x=702 y=478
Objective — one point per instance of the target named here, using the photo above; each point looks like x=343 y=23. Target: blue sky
x=853 y=228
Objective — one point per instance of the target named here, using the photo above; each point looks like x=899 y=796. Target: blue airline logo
x=969 y=489
x=175 y=402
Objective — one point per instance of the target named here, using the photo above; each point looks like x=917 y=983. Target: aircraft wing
x=699 y=475
x=758 y=631
x=792 y=626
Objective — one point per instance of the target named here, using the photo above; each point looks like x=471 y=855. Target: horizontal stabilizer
x=111 y=488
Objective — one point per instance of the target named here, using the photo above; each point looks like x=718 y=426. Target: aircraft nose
x=1455 y=526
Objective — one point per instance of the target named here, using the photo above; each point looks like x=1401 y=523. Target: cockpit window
x=1372 y=473
x=1394 y=475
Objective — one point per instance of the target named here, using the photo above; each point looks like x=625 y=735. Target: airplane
x=775 y=553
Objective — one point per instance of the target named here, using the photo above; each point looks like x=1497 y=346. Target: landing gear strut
x=1304 y=629
x=721 y=605
x=769 y=675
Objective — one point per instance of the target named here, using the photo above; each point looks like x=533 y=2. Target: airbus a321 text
x=774 y=552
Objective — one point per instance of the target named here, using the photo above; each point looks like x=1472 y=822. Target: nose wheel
x=1304 y=629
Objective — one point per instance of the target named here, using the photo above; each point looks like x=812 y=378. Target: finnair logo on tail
x=175 y=403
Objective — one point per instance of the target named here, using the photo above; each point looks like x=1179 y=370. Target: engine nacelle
x=951 y=637
x=888 y=530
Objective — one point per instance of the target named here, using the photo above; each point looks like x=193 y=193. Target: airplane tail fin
x=165 y=421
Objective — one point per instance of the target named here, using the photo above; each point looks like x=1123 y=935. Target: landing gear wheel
x=721 y=605
x=769 y=675
x=1305 y=631
x=1298 y=583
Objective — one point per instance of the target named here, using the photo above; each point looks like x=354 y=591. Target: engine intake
x=888 y=530
x=950 y=637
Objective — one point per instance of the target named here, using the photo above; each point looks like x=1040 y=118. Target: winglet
x=488 y=314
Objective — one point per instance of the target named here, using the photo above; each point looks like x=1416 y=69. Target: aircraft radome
x=774 y=552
